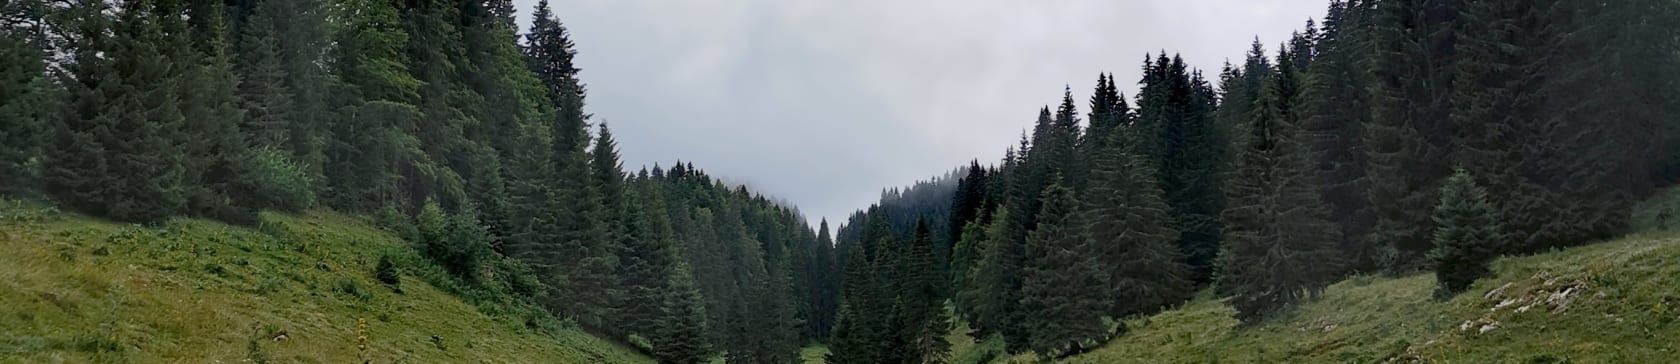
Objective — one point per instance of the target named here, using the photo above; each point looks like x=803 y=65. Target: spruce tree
x=1175 y=132
x=1467 y=234
x=115 y=155
x=1280 y=244
x=966 y=255
x=28 y=104
x=218 y=161
x=78 y=170
x=302 y=42
x=1404 y=139
x=1335 y=107
x=375 y=109
x=991 y=301
x=645 y=262
x=856 y=337
x=680 y=336
x=262 y=80
x=607 y=179
x=1130 y=228
x=1063 y=291
x=923 y=321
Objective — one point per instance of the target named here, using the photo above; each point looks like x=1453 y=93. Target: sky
x=823 y=103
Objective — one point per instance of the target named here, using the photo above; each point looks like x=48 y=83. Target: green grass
x=1623 y=306
x=294 y=289
x=814 y=354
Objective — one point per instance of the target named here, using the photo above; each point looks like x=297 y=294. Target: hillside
x=293 y=289
x=1610 y=302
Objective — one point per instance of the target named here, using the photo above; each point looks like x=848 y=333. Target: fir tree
x=1062 y=294
x=681 y=330
x=923 y=321
x=115 y=156
x=1404 y=147
x=856 y=337
x=218 y=162
x=645 y=259
x=1280 y=243
x=1130 y=228
x=375 y=99
x=262 y=88
x=28 y=103
x=1467 y=234
x=1335 y=107
x=1175 y=132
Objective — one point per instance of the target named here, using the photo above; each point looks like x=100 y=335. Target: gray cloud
x=826 y=102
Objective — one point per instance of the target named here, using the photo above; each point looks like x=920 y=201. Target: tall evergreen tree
x=221 y=169
x=28 y=99
x=681 y=330
x=923 y=320
x=1063 y=290
x=856 y=337
x=1175 y=132
x=1404 y=145
x=114 y=155
x=645 y=260
x=375 y=100
x=262 y=87
x=1335 y=105
x=1280 y=244
x=1130 y=229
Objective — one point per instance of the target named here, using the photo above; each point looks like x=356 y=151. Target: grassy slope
x=74 y=289
x=1613 y=302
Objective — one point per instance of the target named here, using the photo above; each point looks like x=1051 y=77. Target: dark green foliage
x=387 y=273
x=114 y=154
x=680 y=336
x=968 y=202
x=1410 y=74
x=991 y=301
x=1131 y=233
x=457 y=242
x=1063 y=290
x=966 y=255
x=647 y=259
x=920 y=308
x=1280 y=245
x=1334 y=108
x=1175 y=131
x=1467 y=234
x=262 y=85
x=857 y=335
x=28 y=101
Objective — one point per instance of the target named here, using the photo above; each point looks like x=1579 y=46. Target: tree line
x=1396 y=136
x=438 y=119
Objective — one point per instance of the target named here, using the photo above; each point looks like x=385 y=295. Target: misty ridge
x=434 y=181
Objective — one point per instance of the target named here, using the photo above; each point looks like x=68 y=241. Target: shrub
x=520 y=279
x=352 y=288
x=386 y=272
x=273 y=181
x=395 y=221
x=457 y=243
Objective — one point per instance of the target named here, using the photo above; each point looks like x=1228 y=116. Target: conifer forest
x=369 y=161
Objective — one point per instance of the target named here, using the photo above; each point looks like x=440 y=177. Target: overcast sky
x=825 y=102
